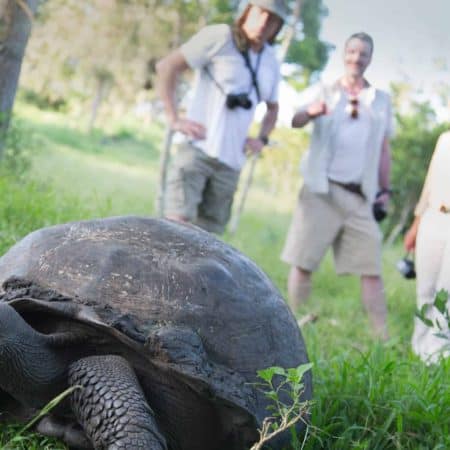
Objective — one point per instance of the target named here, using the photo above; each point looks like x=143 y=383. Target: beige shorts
x=200 y=188
x=341 y=220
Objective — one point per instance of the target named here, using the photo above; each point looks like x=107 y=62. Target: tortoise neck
x=27 y=362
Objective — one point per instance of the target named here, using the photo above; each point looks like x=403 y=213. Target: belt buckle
x=444 y=209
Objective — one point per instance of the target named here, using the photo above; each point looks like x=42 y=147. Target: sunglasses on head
x=354 y=108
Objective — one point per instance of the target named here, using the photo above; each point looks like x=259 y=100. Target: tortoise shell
x=195 y=317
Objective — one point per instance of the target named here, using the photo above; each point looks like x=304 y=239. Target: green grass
x=367 y=395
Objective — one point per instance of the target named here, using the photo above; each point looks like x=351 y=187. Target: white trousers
x=433 y=274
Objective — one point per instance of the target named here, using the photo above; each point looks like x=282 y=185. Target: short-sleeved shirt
x=226 y=130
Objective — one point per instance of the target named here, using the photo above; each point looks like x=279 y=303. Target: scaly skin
x=111 y=407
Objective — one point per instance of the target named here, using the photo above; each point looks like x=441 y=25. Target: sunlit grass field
x=367 y=395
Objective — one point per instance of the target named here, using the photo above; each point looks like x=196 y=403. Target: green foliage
x=12 y=438
x=441 y=302
x=76 y=58
x=307 y=50
x=28 y=204
x=18 y=438
x=283 y=388
x=15 y=159
x=42 y=101
x=366 y=395
x=378 y=399
x=221 y=11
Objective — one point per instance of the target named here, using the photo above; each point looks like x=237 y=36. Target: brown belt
x=351 y=187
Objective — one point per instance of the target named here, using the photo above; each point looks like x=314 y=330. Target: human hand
x=190 y=128
x=409 y=241
x=317 y=109
x=383 y=198
x=253 y=145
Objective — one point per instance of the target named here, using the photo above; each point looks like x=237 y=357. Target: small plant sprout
x=283 y=387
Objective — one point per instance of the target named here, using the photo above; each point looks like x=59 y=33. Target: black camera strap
x=253 y=72
x=206 y=69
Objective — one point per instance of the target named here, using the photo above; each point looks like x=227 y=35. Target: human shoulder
x=384 y=96
x=205 y=44
x=219 y=32
x=444 y=140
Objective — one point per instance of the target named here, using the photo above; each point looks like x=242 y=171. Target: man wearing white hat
x=236 y=68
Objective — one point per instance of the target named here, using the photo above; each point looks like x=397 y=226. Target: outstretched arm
x=302 y=117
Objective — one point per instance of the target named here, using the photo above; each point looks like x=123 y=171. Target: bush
x=16 y=158
x=29 y=205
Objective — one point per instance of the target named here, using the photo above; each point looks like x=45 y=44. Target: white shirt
x=226 y=129
x=349 y=142
x=317 y=161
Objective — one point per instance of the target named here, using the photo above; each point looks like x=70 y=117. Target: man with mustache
x=345 y=171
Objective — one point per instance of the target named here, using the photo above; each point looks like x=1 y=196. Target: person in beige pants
x=429 y=235
x=346 y=169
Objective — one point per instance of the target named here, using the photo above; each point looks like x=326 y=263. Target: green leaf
x=422 y=315
x=440 y=301
x=266 y=374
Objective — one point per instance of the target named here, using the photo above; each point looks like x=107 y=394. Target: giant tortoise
x=161 y=327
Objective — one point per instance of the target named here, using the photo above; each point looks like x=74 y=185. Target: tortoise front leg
x=111 y=407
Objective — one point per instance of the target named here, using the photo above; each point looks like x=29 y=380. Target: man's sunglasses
x=354 y=108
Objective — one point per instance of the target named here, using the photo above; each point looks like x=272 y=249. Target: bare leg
x=299 y=287
x=373 y=298
x=111 y=407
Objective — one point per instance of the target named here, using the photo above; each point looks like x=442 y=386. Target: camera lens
x=406 y=267
x=231 y=101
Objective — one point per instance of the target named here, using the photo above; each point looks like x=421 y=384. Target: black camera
x=379 y=213
x=406 y=267
x=238 y=100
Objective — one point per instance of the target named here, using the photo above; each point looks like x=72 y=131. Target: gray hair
x=362 y=37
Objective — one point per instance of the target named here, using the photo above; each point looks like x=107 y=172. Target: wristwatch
x=264 y=139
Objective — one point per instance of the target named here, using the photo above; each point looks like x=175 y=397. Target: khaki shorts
x=200 y=188
x=341 y=220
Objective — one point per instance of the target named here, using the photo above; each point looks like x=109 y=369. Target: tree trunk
x=15 y=27
x=290 y=32
x=102 y=86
